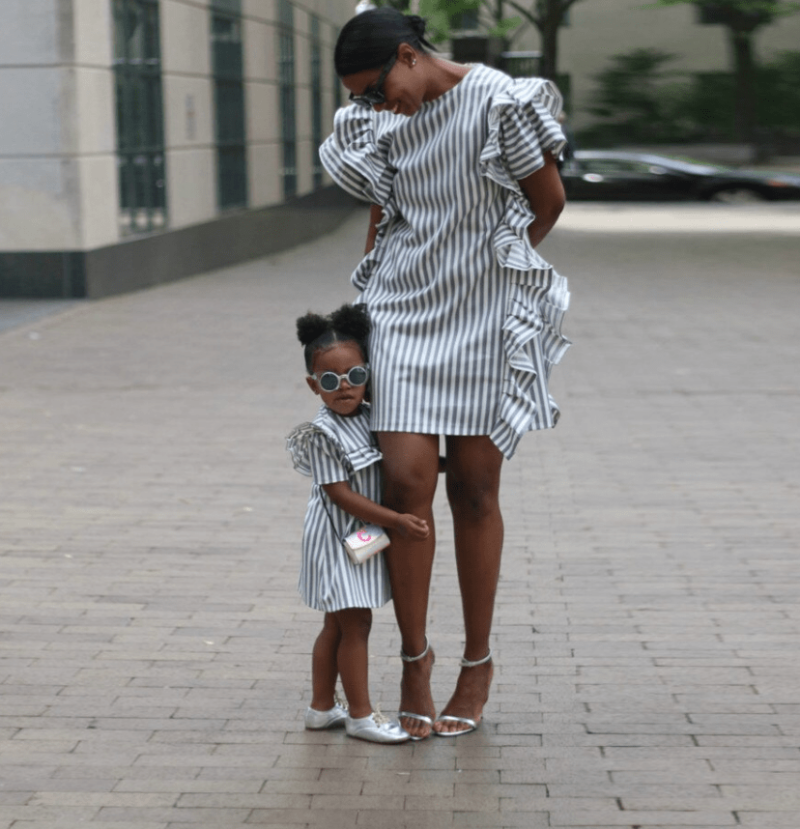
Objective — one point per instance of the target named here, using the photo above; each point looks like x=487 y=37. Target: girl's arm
x=361 y=507
x=545 y=192
x=375 y=216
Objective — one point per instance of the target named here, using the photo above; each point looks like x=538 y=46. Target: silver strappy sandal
x=410 y=714
x=470 y=723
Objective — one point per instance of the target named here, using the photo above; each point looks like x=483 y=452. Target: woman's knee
x=410 y=469
x=473 y=498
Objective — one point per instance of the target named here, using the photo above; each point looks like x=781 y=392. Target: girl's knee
x=355 y=621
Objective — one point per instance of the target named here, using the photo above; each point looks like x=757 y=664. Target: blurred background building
x=144 y=140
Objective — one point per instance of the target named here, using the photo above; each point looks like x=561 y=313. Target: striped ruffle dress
x=466 y=315
x=329 y=449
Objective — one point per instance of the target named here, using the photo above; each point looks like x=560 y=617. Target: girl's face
x=403 y=88
x=339 y=359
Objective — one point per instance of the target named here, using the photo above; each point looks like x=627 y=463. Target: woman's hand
x=409 y=526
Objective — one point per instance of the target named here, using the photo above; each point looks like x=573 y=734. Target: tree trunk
x=744 y=70
x=550 y=24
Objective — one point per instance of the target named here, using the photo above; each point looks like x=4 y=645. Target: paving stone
x=157 y=655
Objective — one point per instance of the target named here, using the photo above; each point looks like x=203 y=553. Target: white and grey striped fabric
x=331 y=449
x=466 y=314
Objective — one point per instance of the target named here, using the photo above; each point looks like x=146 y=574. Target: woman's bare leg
x=473 y=487
x=353 y=658
x=410 y=468
x=324 y=669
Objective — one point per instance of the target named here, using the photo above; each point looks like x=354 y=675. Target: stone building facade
x=143 y=140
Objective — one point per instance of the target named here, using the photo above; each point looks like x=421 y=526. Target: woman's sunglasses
x=330 y=381
x=373 y=94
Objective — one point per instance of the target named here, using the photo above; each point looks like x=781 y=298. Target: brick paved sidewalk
x=155 y=656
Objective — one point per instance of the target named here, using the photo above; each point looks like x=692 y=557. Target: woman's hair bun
x=417 y=24
x=311 y=326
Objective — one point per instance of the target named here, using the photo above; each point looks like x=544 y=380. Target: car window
x=621 y=165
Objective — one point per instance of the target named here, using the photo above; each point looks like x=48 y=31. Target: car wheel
x=737 y=195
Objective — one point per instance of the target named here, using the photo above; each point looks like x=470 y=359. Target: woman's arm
x=361 y=507
x=375 y=216
x=545 y=192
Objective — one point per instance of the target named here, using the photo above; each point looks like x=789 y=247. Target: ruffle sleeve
x=522 y=127
x=318 y=451
x=356 y=155
x=356 y=158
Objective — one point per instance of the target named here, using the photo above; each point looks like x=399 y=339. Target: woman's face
x=403 y=87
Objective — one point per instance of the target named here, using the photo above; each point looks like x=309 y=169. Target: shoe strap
x=406 y=658
x=465 y=663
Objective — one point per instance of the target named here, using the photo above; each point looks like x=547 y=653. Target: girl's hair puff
x=369 y=39
x=350 y=323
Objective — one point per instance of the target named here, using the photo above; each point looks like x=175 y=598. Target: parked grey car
x=601 y=175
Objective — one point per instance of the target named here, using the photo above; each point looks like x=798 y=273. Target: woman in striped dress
x=459 y=164
x=338 y=451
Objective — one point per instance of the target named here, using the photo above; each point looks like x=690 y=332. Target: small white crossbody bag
x=363 y=543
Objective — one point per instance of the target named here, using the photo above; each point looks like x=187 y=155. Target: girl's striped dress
x=466 y=315
x=330 y=449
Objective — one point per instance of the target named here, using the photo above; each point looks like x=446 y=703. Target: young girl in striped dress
x=338 y=450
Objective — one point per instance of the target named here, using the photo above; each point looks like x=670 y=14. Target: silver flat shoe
x=376 y=729
x=332 y=718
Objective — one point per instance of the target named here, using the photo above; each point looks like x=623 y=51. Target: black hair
x=369 y=39
x=350 y=323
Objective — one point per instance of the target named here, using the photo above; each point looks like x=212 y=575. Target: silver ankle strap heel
x=406 y=658
x=470 y=724
x=465 y=663
x=410 y=714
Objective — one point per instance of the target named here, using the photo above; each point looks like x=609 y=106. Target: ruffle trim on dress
x=522 y=127
x=357 y=159
x=302 y=437
x=533 y=344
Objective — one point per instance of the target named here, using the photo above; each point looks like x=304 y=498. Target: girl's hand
x=409 y=526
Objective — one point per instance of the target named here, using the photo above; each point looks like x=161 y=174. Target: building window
x=287 y=97
x=227 y=66
x=466 y=21
x=140 y=116
x=316 y=101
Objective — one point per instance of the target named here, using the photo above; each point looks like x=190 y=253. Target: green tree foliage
x=442 y=15
x=631 y=99
x=639 y=99
x=742 y=18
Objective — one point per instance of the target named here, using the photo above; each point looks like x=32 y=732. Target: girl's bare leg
x=353 y=658
x=410 y=467
x=473 y=486
x=324 y=669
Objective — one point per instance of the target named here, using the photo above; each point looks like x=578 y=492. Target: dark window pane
x=287 y=97
x=232 y=176
x=227 y=59
x=140 y=118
